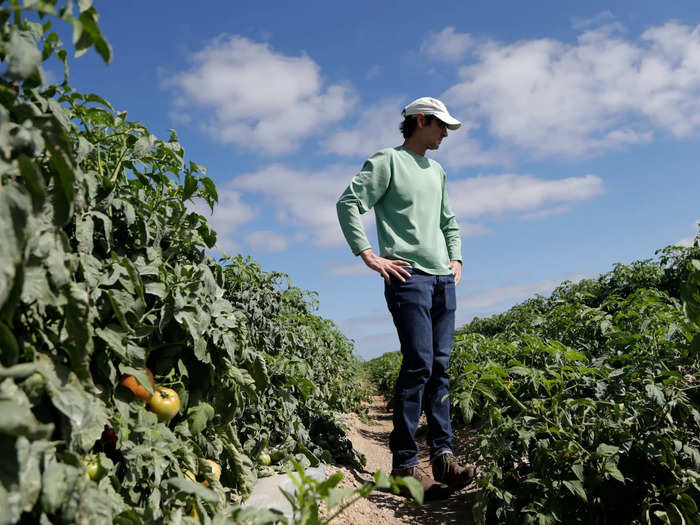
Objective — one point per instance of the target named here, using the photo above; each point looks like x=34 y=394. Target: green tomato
x=94 y=470
x=165 y=403
x=264 y=458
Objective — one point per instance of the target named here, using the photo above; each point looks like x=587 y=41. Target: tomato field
x=586 y=403
x=142 y=381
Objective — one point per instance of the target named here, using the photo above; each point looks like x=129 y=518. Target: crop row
x=586 y=403
x=105 y=275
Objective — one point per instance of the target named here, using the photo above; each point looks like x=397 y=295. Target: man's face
x=433 y=132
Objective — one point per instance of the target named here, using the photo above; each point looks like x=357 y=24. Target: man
x=420 y=260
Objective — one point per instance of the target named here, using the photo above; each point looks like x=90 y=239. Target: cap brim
x=452 y=123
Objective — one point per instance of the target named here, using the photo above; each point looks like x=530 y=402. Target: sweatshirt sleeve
x=449 y=226
x=365 y=189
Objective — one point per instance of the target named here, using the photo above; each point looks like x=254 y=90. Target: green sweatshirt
x=414 y=219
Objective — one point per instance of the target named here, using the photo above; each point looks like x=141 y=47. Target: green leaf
x=199 y=416
x=611 y=470
x=9 y=349
x=85 y=233
x=56 y=484
x=577 y=468
x=16 y=417
x=84 y=5
x=655 y=393
x=336 y=495
x=381 y=480
x=143 y=146
x=15 y=208
x=572 y=355
x=86 y=412
x=33 y=181
x=140 y=375
x=606 y=450
x=190 y=186
x=78 y=323
x=63 y=187
x=60 y=113
x=413 y=486
x=576 y=488
x=28 y=457
x=99 y=100
x=83 y=149
x=88 y=19
x=115 y=337
x=156 y=288
x=196 y=489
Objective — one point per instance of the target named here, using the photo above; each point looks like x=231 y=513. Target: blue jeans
x=423 y=309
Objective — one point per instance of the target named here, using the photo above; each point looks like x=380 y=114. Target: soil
x=383 y=507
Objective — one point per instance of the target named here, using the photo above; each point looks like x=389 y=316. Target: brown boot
x=432 y=490
x=447 y=470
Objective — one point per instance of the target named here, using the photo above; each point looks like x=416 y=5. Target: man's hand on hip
x=386 y=267
x=457 y=269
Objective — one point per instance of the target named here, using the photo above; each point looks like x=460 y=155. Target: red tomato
x=137 y=388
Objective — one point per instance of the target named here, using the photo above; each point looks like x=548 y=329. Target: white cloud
x=356 y=269
x=468 y=229
x=508 y=193
x=603 y=92
x=459 y=150
x=267 y=241
x=229 y=213
x=604 y=18
x=258 y=98
x=376 y=127
x=306 y=200
x=447 y=45
x=303 y=199
x=548 y=212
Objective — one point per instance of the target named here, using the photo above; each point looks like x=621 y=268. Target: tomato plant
x=105 y=272
x=586 y=401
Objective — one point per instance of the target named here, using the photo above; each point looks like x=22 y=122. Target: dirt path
x=385 y=508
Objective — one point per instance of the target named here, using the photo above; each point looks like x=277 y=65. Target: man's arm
x=450 y=229
x=365 y=189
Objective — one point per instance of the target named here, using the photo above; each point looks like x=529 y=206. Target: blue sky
x=578 y=150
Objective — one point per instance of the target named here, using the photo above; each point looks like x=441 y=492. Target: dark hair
x=410 y=123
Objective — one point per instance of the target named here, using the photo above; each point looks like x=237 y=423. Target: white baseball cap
x=431 y=106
